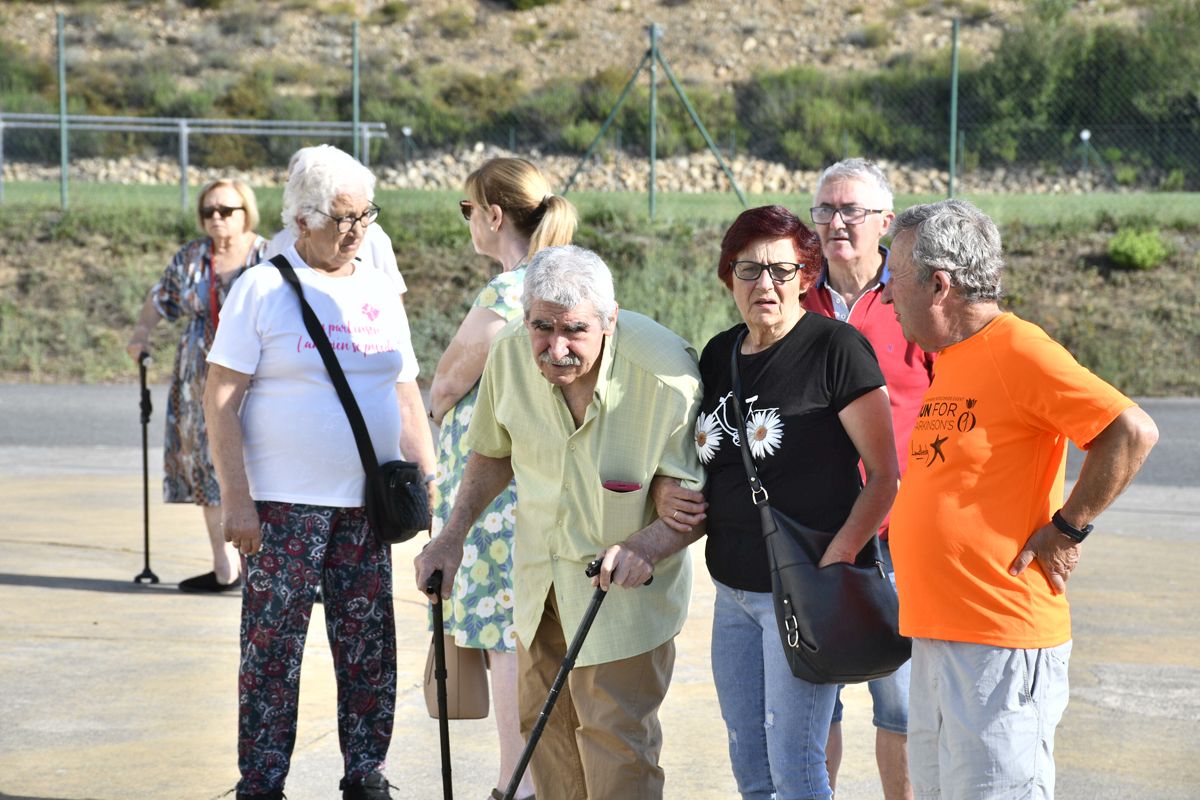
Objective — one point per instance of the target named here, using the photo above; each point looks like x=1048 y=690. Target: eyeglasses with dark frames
x=781 y=271
x=851 y=215
x=224 y=211
x=345 y=223
x=465 y=207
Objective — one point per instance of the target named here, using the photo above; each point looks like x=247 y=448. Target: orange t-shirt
x=986 y=469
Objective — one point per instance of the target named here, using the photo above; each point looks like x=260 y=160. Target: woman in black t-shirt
x=815 y=404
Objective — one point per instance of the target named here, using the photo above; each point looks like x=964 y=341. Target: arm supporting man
x=224 y=391
x=483 y=479
x=631 y=563
x=1112 y=461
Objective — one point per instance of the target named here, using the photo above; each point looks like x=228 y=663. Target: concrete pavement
x=110 y=690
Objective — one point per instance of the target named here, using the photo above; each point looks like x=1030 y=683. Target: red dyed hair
x=766 y=224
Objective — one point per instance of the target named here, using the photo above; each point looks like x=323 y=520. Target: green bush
x=877 y=34
x=1126 y=174
x=525 y=5
x=392 y=12
x=1136 y=250
x=454 y=23
x=1173 y=181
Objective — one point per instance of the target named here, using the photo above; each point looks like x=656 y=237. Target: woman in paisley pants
x=293 y=483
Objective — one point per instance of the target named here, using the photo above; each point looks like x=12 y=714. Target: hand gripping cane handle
x=568 y=663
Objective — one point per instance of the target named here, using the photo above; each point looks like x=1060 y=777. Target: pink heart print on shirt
x=371 y=311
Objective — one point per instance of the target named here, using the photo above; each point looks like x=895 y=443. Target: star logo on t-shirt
x=936 y=447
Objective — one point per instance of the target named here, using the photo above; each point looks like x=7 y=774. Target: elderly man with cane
x=983 y=541
x=585 y=409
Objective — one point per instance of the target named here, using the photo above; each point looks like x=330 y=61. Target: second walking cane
x=434 y=589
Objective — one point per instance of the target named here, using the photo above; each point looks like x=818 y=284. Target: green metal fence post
x=653 y=110
x=604 y=128
x=687 y=104
x=953 y=103
x=62 y=111
x=354 y=36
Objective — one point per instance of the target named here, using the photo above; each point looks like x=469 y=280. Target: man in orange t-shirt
x=982 y=541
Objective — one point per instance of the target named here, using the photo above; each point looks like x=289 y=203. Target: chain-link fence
x=1056 y=105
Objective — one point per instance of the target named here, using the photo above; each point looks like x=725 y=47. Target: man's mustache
x=565 y=361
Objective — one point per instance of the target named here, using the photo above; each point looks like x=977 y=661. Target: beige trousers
x=603 y=738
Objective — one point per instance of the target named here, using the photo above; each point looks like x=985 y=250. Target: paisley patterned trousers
x=306 y=546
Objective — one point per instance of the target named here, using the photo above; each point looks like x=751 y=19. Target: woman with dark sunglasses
x=512 y=214
x=193 y=287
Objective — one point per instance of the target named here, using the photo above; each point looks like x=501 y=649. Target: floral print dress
x=183 y=292
x=480 y=612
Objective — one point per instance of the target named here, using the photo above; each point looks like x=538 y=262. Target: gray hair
x=318 y=175
x=956 y=237
x=858 y=169
x=567 y=276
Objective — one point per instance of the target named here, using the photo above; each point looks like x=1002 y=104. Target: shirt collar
x=885 y=274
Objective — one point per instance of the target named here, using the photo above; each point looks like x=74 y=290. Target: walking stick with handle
x=146 y=574
x=568 y=663
x=434 y=587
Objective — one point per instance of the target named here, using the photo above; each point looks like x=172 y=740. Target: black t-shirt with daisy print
x=791 y=395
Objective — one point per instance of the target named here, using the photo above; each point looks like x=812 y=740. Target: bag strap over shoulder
x=316 y=332
x=758 y=492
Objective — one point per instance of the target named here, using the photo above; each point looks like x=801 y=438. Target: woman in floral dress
x=228 y=216
x=512 y=214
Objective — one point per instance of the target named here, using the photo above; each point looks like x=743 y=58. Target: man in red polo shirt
x=852 y=209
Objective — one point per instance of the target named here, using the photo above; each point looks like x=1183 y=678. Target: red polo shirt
x=907 y=368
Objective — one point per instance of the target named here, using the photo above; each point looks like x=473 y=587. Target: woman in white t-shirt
x=292 y=480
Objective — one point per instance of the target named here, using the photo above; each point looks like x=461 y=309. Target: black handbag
x=840 y=623
x=396 y=502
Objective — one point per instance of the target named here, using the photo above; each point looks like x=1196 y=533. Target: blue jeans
x=777 y=723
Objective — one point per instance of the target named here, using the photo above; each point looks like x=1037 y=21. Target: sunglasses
x=465 y=207
x=225 y=211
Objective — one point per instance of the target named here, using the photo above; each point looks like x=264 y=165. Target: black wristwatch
x=1069 y=530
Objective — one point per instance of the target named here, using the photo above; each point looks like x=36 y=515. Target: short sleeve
x=486 y=435
x=1054 y=392
x=852 y=368
x=679 y=458
x=503 y=295
x=409 y=368
x=238 y=343
x=168 y=292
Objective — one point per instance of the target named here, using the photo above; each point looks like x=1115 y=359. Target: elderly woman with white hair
x=292 y=480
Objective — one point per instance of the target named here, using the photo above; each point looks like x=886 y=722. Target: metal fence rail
x=185 y=128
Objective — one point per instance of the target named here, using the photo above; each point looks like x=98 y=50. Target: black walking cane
x=146 y=574
x=434 y=587
x=589 y=616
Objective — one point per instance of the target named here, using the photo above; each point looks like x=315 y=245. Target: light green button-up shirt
x=638 y=425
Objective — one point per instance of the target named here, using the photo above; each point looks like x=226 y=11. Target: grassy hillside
x=71 y=284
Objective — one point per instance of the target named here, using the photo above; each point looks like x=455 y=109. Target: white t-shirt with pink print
x=297 y=443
